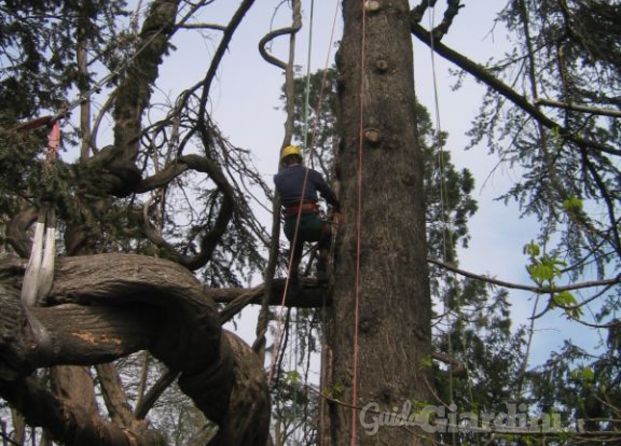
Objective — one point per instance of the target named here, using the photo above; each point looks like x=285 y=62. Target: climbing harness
x=306 y=208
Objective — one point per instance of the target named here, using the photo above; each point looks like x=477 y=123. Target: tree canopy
x=165 y=229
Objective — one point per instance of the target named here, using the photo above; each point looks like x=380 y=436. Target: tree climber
x=295 y=195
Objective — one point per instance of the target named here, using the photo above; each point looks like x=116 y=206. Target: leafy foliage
x=565 y=63
x=39 y=46
x=38 y=39
x=563 y=51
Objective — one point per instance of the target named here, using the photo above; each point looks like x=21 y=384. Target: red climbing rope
x=358 y=229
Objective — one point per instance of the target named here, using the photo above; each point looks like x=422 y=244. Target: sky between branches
x=246 y=106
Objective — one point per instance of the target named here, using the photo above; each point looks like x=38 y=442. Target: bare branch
x=451 y=12
x=146 y=403
x=212 y=237
x=579 y=108
x=203 y=26
x=534 y=289
x=219 y=54
x=293 y=29
x=418 y=11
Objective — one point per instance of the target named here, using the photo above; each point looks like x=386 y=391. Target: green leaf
x=566 y=299
x=540 y=272
x=292 y=377
x=573 y=205
x=584 y=375
x=532 y=249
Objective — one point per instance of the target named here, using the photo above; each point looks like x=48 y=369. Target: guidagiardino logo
x=448 y=419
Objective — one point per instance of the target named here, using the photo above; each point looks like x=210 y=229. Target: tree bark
x=75 y=384
x=114 y=395
x=109 y=305
x=104 y=307
x=394 y=323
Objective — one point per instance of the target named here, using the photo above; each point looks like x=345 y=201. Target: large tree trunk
x=394 y=330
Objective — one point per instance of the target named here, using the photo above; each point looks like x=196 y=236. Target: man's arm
x=326 y=192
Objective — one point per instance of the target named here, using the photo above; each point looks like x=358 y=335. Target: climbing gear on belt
x=307 y=208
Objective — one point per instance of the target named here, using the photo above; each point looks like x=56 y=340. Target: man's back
x=290 y=184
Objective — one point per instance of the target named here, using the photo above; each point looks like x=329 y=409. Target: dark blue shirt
x=290 y=182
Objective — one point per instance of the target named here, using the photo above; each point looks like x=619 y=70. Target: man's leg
x=295 y=252
x=311 y=229
x=295 y=257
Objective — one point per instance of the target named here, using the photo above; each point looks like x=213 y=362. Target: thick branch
x=114 y=395
x=174 y=169
x=65 y=423
x=270 y=269
x=310 y=294
x=134 y=92
x=16 y=231
x=108 y=305
x=250 y=399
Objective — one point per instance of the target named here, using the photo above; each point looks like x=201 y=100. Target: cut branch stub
x=381 y=65
x=372 y=5
x=372 y=136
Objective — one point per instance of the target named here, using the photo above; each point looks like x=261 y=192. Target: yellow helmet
x=290 y=150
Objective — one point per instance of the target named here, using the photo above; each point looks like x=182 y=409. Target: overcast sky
x=245 y=104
